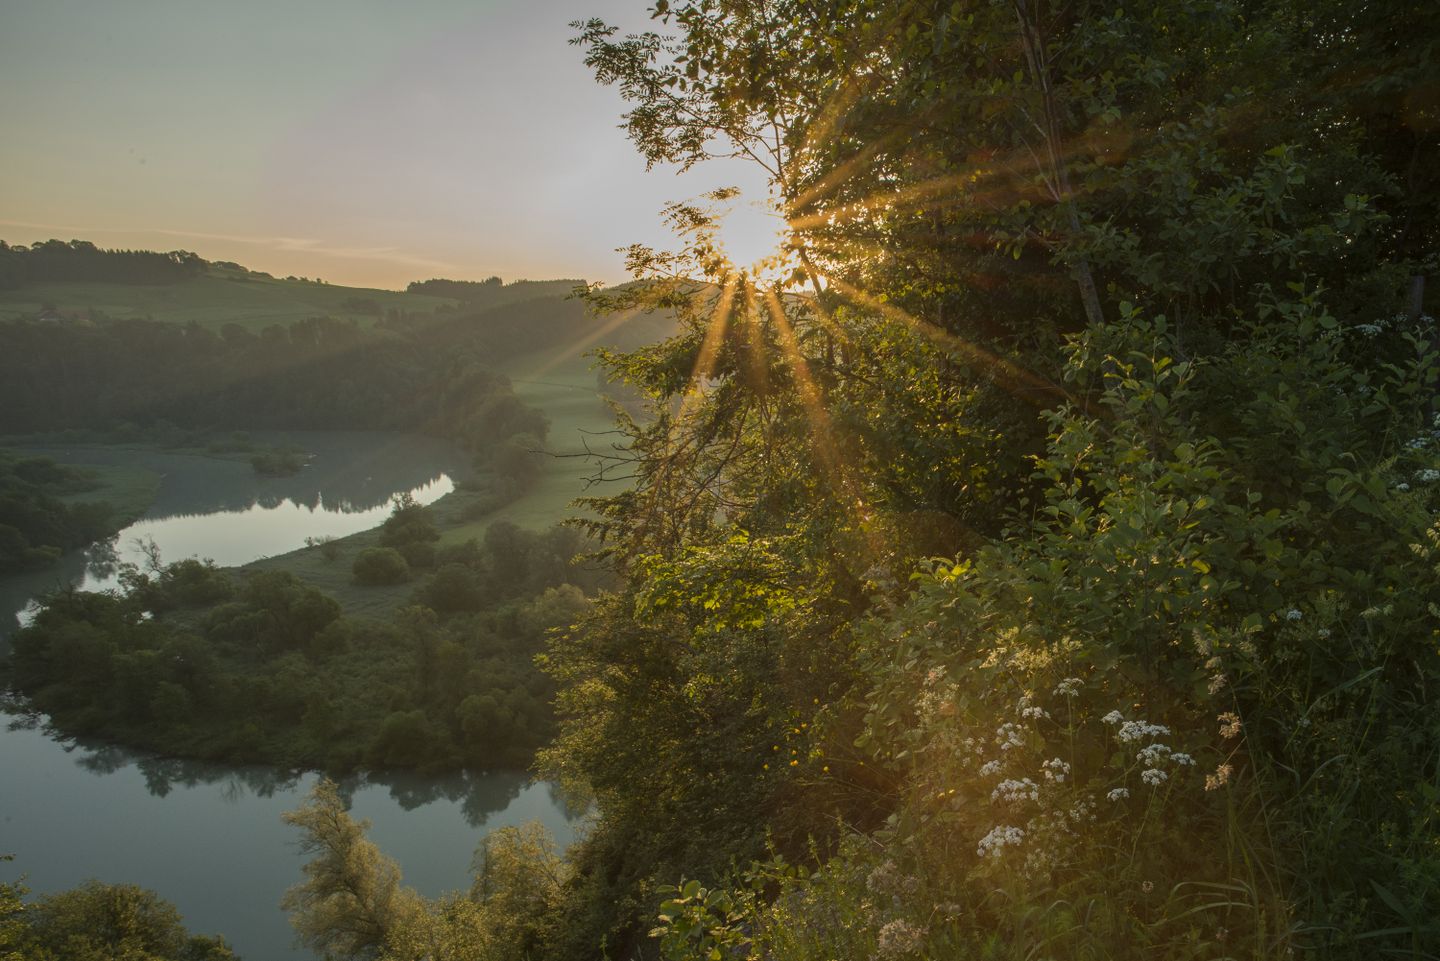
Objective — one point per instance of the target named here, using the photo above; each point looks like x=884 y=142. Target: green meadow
x=128 y=489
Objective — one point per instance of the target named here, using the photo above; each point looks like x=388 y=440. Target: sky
x=365 y=142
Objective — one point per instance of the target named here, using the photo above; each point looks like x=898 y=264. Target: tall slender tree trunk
x=1038 y=59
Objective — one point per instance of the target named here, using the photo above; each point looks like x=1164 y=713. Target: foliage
x=380 y=565
x=99 y=922
x=55 y=260
x=36 y=525
x=278 y=461
x=1103 y=322
x=194 y=661
x=352 y=906
x=1117 y=715
x=351 y=896
x=319 y=373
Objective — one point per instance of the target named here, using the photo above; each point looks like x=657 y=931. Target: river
x=208 y=837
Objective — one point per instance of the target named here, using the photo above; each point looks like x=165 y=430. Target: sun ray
x=1018 y=162
x=821 y=426
x=709 y=346
x=837 y=177
x=757 y=367
x=1023 y=383
x=570 y=350
x=909 y=194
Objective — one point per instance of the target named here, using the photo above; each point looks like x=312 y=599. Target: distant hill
x=74 y=282
x=492 y=292
x=80 y=282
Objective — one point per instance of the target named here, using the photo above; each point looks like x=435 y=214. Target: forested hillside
x=1046 y=565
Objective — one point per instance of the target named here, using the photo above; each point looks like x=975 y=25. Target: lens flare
x=754 y=238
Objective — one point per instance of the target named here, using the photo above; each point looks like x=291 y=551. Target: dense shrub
x=380 y=565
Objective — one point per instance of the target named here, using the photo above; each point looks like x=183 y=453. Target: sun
x=755 y=238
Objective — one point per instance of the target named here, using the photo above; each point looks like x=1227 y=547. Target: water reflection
x=102 y=559
x=479 y=794
x=221 y=509
x=211 y=838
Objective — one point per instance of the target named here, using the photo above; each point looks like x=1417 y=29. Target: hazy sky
x=363 y=141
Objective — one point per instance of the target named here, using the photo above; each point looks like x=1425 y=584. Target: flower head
x=993 y=844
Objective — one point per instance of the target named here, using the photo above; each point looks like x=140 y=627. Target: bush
x=418 y=553
x=380 y=565
x=454 y=587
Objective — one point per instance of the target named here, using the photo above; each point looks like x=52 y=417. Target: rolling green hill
x=76 y=281
x=218 y=297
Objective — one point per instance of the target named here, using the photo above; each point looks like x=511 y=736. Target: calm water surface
x=220 y=509
x=209 y=837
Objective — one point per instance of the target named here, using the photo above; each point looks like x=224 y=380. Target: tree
x=1006 y=218
x=380 y=565
x=98 y=922
x=351 y=899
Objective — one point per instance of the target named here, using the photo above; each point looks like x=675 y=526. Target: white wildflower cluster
x=993 y=844
x=899 y=938
x=1114 y=717
x=1154 y=776
x=1039 y=863
x=880 y=879
x=1132 y=731
x=1369 y=330
x=932 y=702
x=1068 y=687
x=1082 y=810
x=934 y=676
x=888 y=879
x=1056 y=770
x=1028 y=710
x=1428 y=476
x=1117 y=794
x=1402 y=487
x=990 y=768
x=1011 y=791
x=1009 y=736
x=1293 y=614
x=1153 y=755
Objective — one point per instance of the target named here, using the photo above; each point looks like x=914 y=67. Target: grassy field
x=129 y=490
x=218 y=298
x=565 y=385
